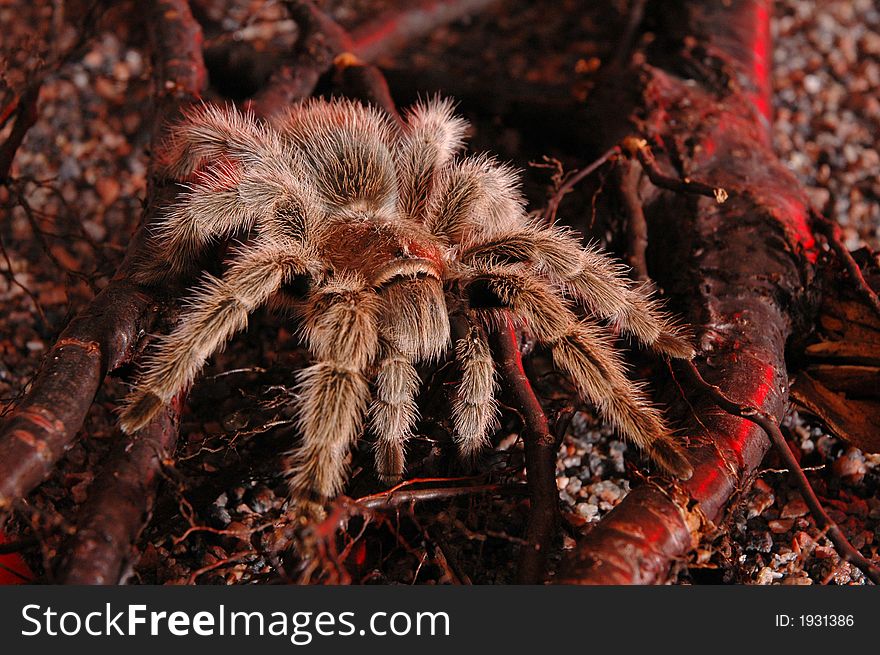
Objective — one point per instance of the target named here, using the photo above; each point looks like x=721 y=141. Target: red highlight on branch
x=13 y=569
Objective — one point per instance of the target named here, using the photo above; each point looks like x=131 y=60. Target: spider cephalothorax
x=380 y=236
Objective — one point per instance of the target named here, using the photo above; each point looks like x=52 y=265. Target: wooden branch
x=740 y=271
x=103 y=337
x=121 y=497
x=323 y=41
x=118 y=504
x=541 y=447
x=393 y=29
x=640 y=150
x=43 y=425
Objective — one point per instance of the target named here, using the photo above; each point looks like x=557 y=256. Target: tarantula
x=380 y=236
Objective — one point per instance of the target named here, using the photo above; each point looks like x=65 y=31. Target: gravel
x=826 y=76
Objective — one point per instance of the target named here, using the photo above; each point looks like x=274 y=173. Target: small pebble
x=780 y=526
x=794 y=508
x=766 y=576
x=850 y=467
x=587 y=510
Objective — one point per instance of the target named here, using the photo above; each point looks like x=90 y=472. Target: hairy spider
x=379 y=236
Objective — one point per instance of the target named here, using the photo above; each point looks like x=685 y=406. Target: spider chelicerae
x=379 y=236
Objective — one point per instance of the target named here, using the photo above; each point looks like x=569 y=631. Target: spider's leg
x=207 y=210
x=582 y=350
x=414 y=325
x=346 y=148
x=301 y=122
x=222 y=156
x=590 y=277
x=218 y=310
x=393 y=413
x=586 y=354
x=474 y=410
x=432 y=136
x=414 y=318
x=224 y=200
x=341 y=330
x=474 y=196
x=209 y=133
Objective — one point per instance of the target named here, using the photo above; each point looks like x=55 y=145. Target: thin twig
x=24 y=108
x=573 y=180
x=628 y=174
x=391 y=498
x=25 y=117
x=640 y=150
x=235 y=558
x=13 y=280
x=831 y=231
x=240 y=532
